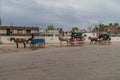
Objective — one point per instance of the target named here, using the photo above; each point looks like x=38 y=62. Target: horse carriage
x=37 y=43
x=104 y=38
x=34 y=42
x=77 y=38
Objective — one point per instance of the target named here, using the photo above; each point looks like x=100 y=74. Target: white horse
x=64 y=39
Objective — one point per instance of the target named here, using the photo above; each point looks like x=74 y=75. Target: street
x=96 y=62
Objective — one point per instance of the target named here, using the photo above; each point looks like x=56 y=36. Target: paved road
x=73 y=63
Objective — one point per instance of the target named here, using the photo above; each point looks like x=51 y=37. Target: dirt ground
x=11 y=48
x=89 y=62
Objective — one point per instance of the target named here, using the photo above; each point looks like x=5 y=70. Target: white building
x=49 y=32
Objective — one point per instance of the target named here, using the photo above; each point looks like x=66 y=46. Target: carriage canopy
x=78 y=33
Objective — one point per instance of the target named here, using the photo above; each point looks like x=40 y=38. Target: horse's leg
x=90 y=42
x=67 y=43
x=24 y=44
x=17 y=44
x=95 y=42
x=60 y=43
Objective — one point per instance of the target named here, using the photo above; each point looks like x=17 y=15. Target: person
x=72 y=38
x=31 y=38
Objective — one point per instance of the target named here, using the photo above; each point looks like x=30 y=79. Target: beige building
x=18 y=30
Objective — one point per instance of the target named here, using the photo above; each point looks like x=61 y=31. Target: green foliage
x=75 y=29
x=116 y=24
x=51 y=27
x=113 y=28
x=104 y=27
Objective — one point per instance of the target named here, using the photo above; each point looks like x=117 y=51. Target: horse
x=63 y=39
x=93 y=40
x=19 y=40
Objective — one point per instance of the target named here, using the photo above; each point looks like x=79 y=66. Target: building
x=18 y=30
x=49 y=32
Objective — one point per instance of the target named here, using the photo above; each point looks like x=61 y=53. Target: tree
x=51 y=27
x=101 y=27
x=75 y=29
x=110 y=24
x=116 y=24
x=96 y=29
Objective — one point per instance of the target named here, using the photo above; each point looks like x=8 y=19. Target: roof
x=19 y=27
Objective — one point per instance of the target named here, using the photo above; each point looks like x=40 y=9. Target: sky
x=61 y=13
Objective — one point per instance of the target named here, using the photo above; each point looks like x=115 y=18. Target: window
x=8 y=32
x=28 y=31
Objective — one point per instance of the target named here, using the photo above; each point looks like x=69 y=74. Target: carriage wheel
x=32 y=45
x=42 y=45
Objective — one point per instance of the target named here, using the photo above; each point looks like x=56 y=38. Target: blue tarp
x=38 y=40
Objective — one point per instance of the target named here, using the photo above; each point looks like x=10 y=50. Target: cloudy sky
x=60 y=13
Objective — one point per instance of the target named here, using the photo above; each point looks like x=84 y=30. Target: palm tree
x=101 y=27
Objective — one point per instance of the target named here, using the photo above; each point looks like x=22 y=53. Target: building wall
x=50 y=32
x=18 y=31
x=6 y=39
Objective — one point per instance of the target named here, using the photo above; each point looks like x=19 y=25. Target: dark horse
x=19 y=40
x=93 y=40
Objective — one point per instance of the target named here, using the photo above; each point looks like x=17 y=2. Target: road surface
x=95 y=62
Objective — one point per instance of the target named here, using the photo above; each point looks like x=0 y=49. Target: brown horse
x=18 y=40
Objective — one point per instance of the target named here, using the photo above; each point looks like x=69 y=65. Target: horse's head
x=12 y=38
x=89 y=37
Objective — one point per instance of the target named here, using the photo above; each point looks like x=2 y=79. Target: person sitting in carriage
x=31 y=38
x=72 y=38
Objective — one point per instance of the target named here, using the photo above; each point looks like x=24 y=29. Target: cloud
x=61 y=13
